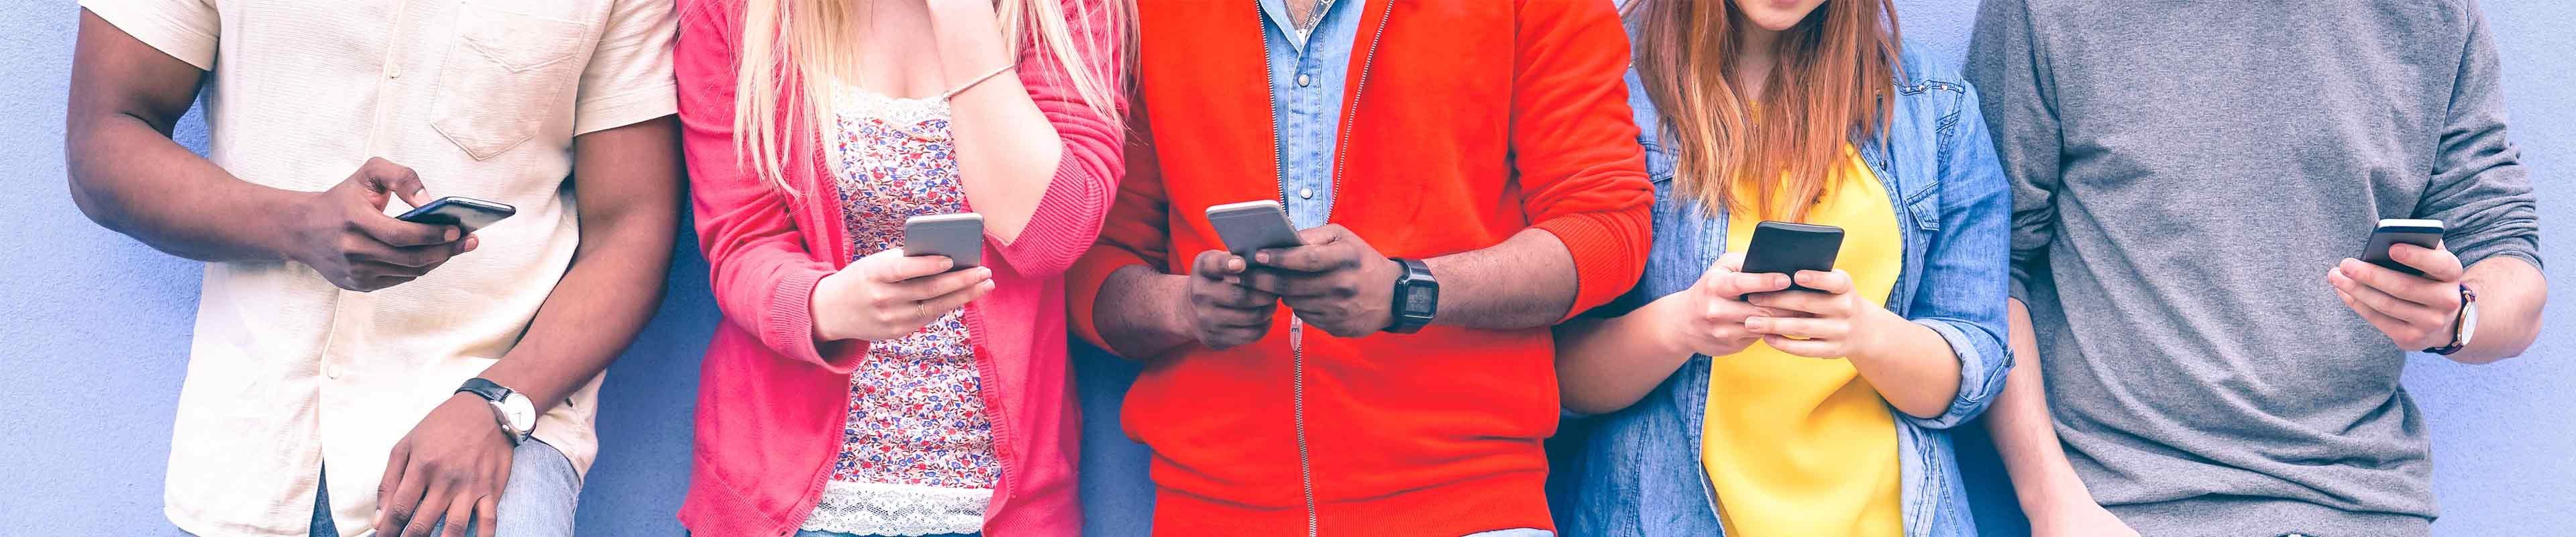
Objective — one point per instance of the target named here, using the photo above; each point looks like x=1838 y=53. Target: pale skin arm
x=1007 y=150
x=2417 y=312
x=2025 y=436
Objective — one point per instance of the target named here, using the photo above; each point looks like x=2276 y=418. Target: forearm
x=2511 y=293
x=1528 y=281
x=1911 y=366
x=1603 y=365
x=1134 y=312
x=2024 y=434
x=1007 y=149
x=630 y=183
x=134 y=180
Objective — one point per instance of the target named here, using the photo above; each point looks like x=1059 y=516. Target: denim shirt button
x=1305 y=193
x=1303 y=80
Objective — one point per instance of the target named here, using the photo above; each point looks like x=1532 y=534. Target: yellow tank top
x=1799 y=446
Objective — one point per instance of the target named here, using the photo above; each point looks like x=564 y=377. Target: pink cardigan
x=772 y=400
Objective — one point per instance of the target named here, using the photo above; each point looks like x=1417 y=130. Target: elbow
x=1589 y=404
x=96 y=204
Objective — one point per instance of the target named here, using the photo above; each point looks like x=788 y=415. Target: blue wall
x=94 y=330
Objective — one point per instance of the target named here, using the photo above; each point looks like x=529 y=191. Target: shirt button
x=1305 y=193
x=1303 y=80
x=331 y=370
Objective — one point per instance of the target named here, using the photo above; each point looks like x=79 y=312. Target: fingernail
x=451 y=234
x=1262 y=257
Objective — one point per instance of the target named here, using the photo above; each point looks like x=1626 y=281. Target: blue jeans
x=537 y=502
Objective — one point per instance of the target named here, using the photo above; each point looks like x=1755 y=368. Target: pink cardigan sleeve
x=1077 y=199
x=761 y=271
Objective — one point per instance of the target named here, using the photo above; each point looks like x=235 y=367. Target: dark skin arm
x=1338 y=283
x=130 y=177
x=454 y=463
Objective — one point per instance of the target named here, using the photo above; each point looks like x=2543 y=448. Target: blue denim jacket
x=1640 y=472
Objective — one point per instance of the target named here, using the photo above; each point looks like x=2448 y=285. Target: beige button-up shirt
x=483 y=99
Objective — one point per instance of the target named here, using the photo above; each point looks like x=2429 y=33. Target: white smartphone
x=1253 y=225
x=959 y=236
x=2394 y=231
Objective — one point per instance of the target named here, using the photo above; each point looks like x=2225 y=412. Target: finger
x=939 y=284
x=433 y=509
x=1811 y=348
x=388 y=485
x=1809 y=302
x=1797 y=327
x=1217 y=264
x=942 y=304
x=1730 y=312
x=460 y=515
x=380 y=283
x=892 y=266
x=1237 y=318
x=1285 y=284
x=1731 y=285
x=384 y=176
x=1313 y=258
x=1834 y=282
x=396 y=232
x=2416 y=289
x=405 y=502
x=401 y=256
x=2373 y=298
x=1242 y=297
x=487 y=516
x=2381 y=321
x=2438 y=265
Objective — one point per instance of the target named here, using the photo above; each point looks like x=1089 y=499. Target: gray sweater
x=2185 y=173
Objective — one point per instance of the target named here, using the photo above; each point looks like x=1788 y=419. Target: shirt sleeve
x=628 y=79
x=183 y=29
x=2009 y=67
x=1575 y=142
x=2479 y=189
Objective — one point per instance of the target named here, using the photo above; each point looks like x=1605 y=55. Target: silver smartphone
x=959 y=236
x=2395 y=231
x=1252 y=226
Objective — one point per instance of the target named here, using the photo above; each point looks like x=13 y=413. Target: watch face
x=2468 y=322
x=522 y=415
x=1419 y=300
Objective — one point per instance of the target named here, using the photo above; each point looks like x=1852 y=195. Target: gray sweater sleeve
x=2480 y=191
x=2010 y=69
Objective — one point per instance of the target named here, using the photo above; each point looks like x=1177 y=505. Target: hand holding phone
x=2391 y=232
x=1253 y=226
x=344 y=235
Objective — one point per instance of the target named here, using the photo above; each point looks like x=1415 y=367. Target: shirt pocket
x=508 y=76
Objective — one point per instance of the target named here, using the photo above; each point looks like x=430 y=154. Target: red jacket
x=1467 y=121
x=772 y=401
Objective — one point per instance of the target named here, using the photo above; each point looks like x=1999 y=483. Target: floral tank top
x=917 y=454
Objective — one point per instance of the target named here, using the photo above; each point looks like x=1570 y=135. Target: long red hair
x=1827 y=89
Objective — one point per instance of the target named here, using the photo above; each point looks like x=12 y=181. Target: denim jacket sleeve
x=1965 y=273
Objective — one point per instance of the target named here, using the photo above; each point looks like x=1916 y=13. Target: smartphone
x=466 y=213
x=1252 y=226
x=2395 y=231
x=1786 y=248
x=959 y=236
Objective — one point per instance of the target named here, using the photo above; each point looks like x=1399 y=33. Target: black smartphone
x=466 y=213
x=1786 y=248
x=1252 y=226
x=959 y=236
x=2395 y=231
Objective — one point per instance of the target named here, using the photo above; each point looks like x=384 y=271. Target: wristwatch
x=2463 y=327
x=1417 y=297
x=518 y=419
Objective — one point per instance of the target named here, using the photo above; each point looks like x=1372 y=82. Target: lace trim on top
x=904 y=510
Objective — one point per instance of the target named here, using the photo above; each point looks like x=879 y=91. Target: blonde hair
x=807 y=43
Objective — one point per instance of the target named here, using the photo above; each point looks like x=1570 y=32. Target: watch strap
x=2459 y=325
x=486 y=389
x=496 y=395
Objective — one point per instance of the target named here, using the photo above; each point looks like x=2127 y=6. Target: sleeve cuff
x=1065 y=224
x=791 y=325
x=2516 y=247
x=1980 y=376
x=1082 y=285
x=164 y=27
x=625 y=108
x=1606 y=264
